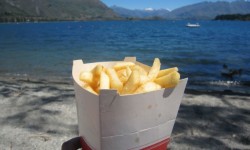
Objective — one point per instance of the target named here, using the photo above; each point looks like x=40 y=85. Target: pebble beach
x=41 y=115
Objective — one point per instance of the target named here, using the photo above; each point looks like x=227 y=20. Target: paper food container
x=109 y=121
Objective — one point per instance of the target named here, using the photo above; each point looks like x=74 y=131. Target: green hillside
x=23 y=10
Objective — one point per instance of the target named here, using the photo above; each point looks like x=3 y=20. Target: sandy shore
x=41 y=115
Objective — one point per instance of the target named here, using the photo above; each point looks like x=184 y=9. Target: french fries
x=97 y=70
x=140 y=69
x=89 y=88
x=147 y=87
x=104 y=81
x=86 y=77
x=115 y=82
x=124 y=74
x=132 y=83
x=129 y=78
x=166 y=71
x=169 y=80
x=153 y=72
x=123 y=65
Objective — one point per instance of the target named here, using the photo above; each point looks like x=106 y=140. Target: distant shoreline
x=54 y=21
x=41 y=19
x=229 y=17
x=121 y=19
x=92 y=19
x=232 y=17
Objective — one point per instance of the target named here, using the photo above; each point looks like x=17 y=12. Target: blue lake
x=46 y=50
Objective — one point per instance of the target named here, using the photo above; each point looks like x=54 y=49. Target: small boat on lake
x=193 y=25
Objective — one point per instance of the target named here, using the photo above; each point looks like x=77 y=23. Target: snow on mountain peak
x=148 y=9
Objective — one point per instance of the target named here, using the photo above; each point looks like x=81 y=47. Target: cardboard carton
x=109 y=121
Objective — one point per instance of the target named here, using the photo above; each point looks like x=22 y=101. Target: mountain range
x=139 y=13
x=202 y=10
x=36 y=10
x=54 y=10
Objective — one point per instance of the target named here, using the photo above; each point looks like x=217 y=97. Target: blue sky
x=156 y=4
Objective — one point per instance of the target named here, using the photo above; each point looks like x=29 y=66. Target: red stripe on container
x=162 y=145
x=84 y=145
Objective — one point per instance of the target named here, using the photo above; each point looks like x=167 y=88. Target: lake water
x=45 y=50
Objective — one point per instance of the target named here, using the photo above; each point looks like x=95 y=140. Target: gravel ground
x=41 y=115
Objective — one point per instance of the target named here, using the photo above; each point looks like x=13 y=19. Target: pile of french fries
x=129 y=78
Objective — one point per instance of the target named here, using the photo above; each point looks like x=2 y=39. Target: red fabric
x=162 y=145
